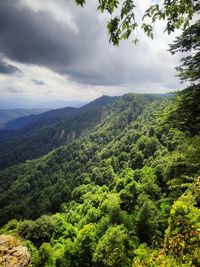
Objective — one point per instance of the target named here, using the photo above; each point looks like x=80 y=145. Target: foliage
x=49 y=181
x=185 y=113
x=182 y=235
x=128 y=192
x=188 y=42
x=112 y=248
x=124 y=21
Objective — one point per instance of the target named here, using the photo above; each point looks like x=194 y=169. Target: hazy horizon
x=13 y=104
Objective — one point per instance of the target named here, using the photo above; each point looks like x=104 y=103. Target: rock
x=12 y=253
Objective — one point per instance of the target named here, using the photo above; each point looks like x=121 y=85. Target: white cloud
x=54 y=87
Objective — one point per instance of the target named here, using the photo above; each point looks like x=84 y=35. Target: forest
x=126 y=193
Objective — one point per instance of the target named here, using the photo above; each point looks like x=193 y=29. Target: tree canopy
x=127 y=192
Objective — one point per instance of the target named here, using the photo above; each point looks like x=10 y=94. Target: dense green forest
x=127 y=192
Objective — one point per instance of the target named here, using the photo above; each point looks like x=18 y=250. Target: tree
x=189 y=42
x=147 y=223
x=176 y=13
x=111 y=249
x=186 y=112
x=85 y=244
x=182 y=234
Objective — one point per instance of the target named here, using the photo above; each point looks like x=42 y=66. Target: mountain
x=48 y=131
x=10 y=114
x=22 y=122
x=125 y=193
x=67 y=112
x=74 y=159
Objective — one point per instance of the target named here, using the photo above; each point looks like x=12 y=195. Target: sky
x=53 y=50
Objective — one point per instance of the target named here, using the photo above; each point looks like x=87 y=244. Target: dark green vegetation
x=127 y=191
x=42 y=133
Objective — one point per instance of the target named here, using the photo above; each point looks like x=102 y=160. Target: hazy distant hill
x=53 y=115
x=21 y=122
x=10 y=114
x=44 y=132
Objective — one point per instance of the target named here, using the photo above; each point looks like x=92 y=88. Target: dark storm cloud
x=6 y=68
x=85 y=56
x=32 y=37
x=36 y=38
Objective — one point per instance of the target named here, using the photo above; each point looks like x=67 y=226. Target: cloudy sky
x=53 y=50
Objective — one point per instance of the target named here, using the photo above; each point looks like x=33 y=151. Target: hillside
x=128 y=192
x=62 y=113
x=72 y=159
x=48 y=131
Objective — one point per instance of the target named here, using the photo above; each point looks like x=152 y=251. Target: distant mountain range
x=36 y=135
x=11 y=114
x=61 y=113
x=27 y=104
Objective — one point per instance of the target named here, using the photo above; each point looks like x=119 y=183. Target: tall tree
x=189 y=43
x=186 y=113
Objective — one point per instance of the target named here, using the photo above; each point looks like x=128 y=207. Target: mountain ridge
x=119 y=115
x=54 y=128
x=69 y=112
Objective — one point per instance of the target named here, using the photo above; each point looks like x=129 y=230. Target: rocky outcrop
x=12 y=253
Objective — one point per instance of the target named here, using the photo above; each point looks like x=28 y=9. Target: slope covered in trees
x=57 y=114
x=128 y=192
x=48 y=131
x=72 y=160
